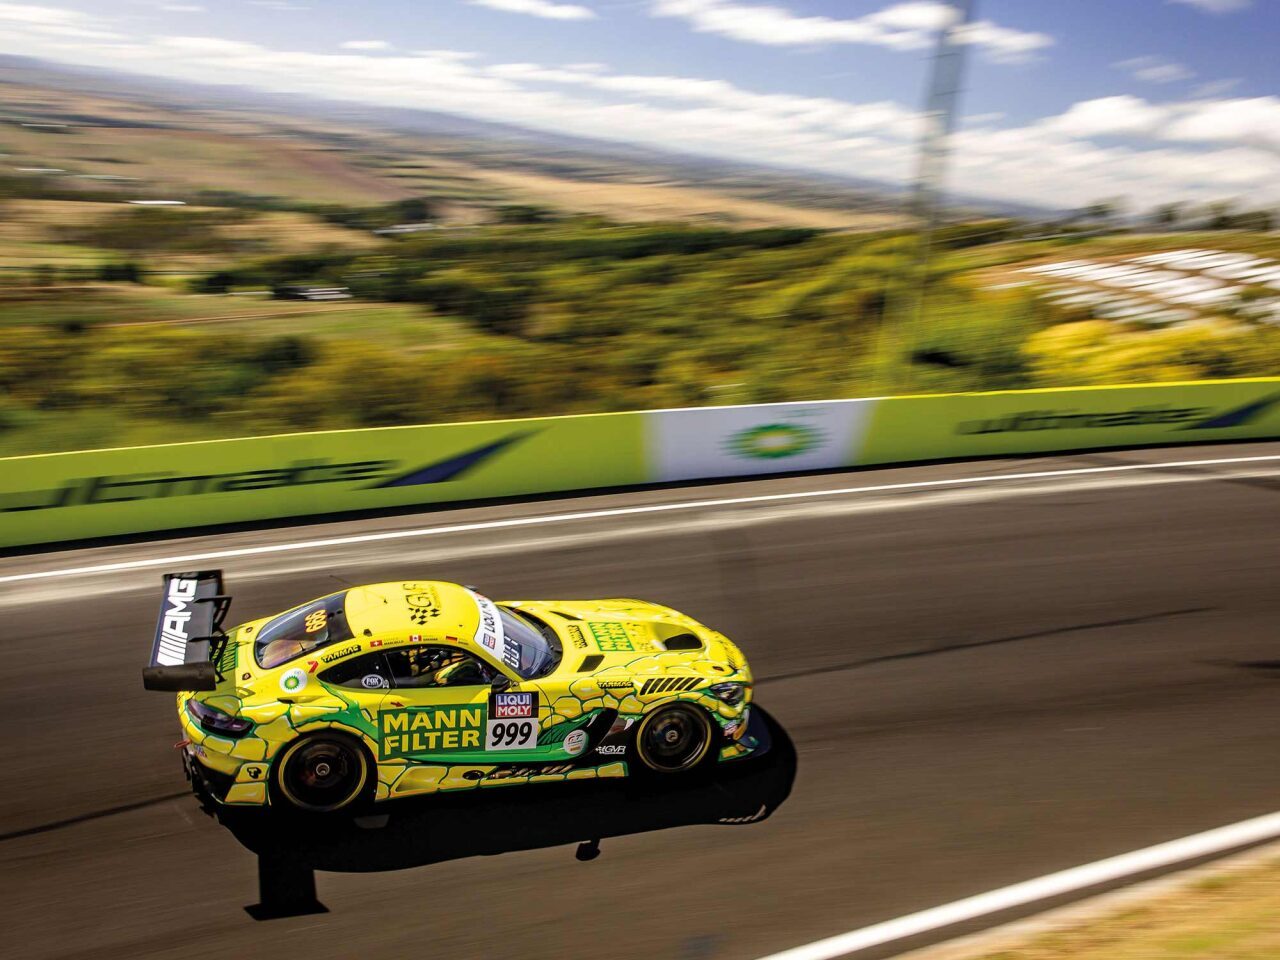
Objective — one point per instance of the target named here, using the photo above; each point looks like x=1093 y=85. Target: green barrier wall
x=108 y=492
x=74 y=496
x=1044 y=421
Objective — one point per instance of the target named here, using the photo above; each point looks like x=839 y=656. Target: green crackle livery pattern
x=557 y=733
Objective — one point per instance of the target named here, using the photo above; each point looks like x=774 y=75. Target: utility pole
x=942 y=99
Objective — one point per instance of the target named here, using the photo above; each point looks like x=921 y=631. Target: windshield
x=538 y=645
x=303 y=629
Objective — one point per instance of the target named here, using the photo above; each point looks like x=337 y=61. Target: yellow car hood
x=600 y=635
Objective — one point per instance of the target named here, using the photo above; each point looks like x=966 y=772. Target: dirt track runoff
x=984 y=681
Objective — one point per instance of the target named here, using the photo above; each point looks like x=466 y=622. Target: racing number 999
x=511 y=735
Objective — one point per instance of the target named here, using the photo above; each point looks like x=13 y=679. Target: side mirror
x=500 y=683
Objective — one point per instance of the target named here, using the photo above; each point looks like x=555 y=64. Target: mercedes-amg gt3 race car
x=396 y=689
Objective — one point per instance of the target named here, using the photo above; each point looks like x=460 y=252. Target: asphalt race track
x=984 y=682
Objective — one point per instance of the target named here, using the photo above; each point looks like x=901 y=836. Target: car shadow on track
x=422 y=831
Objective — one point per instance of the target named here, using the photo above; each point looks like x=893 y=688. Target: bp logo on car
x=774 y=441
x=293 y=680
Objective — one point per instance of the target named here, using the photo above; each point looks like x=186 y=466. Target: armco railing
x=99 y=493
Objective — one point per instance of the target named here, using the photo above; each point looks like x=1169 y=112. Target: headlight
x=730 y=693
x=215 y=721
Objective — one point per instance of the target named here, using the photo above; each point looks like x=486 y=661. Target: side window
x=368 y=672
x=436 y=667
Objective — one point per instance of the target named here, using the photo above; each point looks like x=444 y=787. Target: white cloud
x=825 y=114
x=182 y=8
x=1003 y=44
x=51 y=22
x=1254 y=121
x=1154 y=69
x=447 y=54
x=912 y=25
x=279 y=5
x=914 y=15
x=32 y=14
x=1216 y=88
x=1118 y=116
x=1193 y=150
x=365 y=45
x=1217 y=6
x=540 y=8
x=207 y=46
x=779 y=27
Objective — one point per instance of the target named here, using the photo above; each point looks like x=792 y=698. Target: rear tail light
x=214 y=721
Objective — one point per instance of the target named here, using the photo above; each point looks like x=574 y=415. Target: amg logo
x=173 y=625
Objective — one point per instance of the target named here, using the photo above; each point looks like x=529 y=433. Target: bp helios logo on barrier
x=774 y=441
x=756 y=439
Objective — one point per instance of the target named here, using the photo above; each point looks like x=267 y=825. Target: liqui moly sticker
x=513 y=706
x=513 y=721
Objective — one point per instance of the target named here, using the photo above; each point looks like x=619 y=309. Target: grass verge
x=1219 y=912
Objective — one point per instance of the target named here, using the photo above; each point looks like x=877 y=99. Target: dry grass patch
x=34 y=232
x=1233 y=917
x=650 y=201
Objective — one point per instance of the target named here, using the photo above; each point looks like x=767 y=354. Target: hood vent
x=669 y=685
x=682 y=641
x=590 y=663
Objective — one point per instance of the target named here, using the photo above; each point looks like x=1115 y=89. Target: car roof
x=429 y=610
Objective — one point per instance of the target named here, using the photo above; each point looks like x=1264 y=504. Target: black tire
x=323 y=773
x=676 y=739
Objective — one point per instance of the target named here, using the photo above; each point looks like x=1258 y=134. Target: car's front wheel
x=322 y=773
x=674 y=739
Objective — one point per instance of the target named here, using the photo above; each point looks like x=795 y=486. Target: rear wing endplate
x=189 y=637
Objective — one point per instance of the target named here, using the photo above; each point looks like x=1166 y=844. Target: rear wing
x=189 y=637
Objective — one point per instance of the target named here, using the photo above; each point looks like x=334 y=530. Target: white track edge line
x=613 y=512
x=1211 y=842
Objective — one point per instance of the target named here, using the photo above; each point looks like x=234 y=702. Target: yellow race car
x=396 y=689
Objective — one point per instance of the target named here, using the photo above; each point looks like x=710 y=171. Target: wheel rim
x=674 y=739
x=322 y=775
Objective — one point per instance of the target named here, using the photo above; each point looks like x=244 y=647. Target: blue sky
x=1066 y=102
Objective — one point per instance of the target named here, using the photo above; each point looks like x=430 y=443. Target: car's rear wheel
x=323 y=773
x=674 y=739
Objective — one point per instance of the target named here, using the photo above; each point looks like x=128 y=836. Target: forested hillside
x=566 y=316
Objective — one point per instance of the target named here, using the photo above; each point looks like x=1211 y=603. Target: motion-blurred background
x=256 y=216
